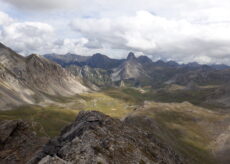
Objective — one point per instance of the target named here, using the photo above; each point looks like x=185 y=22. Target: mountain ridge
x=142 y=71
x=29 y=79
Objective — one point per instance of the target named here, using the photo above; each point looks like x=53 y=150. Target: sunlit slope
x=52 y=117
x=189 y=129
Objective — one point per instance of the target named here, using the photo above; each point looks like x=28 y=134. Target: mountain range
x=141 y=71
x=100 y=71
x=39 y=79
x=131 y=110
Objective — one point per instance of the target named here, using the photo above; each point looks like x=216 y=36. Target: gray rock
x=18 y=142
x=7 y=128
x=48 y=159
x=97 y=138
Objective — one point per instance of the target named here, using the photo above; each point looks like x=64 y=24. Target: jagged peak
x=131 y=56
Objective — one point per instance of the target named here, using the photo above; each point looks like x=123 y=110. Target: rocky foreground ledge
x=18 y=142
x=95 y=138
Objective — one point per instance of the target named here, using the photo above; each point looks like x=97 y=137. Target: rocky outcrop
x=96 y=138
x=18 y=143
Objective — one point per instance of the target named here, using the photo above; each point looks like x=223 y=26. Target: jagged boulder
x=95 y=138
x=18 y=142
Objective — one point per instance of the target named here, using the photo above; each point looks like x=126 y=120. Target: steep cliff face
x=98 y=138
x=28 y=79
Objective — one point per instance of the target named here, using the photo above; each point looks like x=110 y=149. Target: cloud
x=158 y=36
x=121 y=7
x=47 y=4
x=5 y=19
x=37 y=4
x=27 y=36
x=191 y=30
x=35 y=37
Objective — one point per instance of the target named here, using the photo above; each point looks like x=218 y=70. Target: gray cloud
x=191 y=30
x=151 y=34
x=37 y=37
x=121 y=7
x=39 y=4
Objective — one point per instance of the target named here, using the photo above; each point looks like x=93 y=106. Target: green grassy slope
x=187 y=128
x=54 y=117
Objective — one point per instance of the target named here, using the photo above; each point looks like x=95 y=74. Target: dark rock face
x=131 y=56
x=144 y=60
x=17 y=142
x=98 y=138
x=7 y=127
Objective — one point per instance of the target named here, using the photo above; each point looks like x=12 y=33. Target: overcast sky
x=181 y=30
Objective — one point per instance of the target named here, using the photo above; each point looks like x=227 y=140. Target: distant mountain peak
x=99 y=55
x=71 y=55
x=193 y=64
x=131 y=56
x=144 y=59
x=172 y=63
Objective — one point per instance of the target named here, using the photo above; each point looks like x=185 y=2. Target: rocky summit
x=95 y=138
